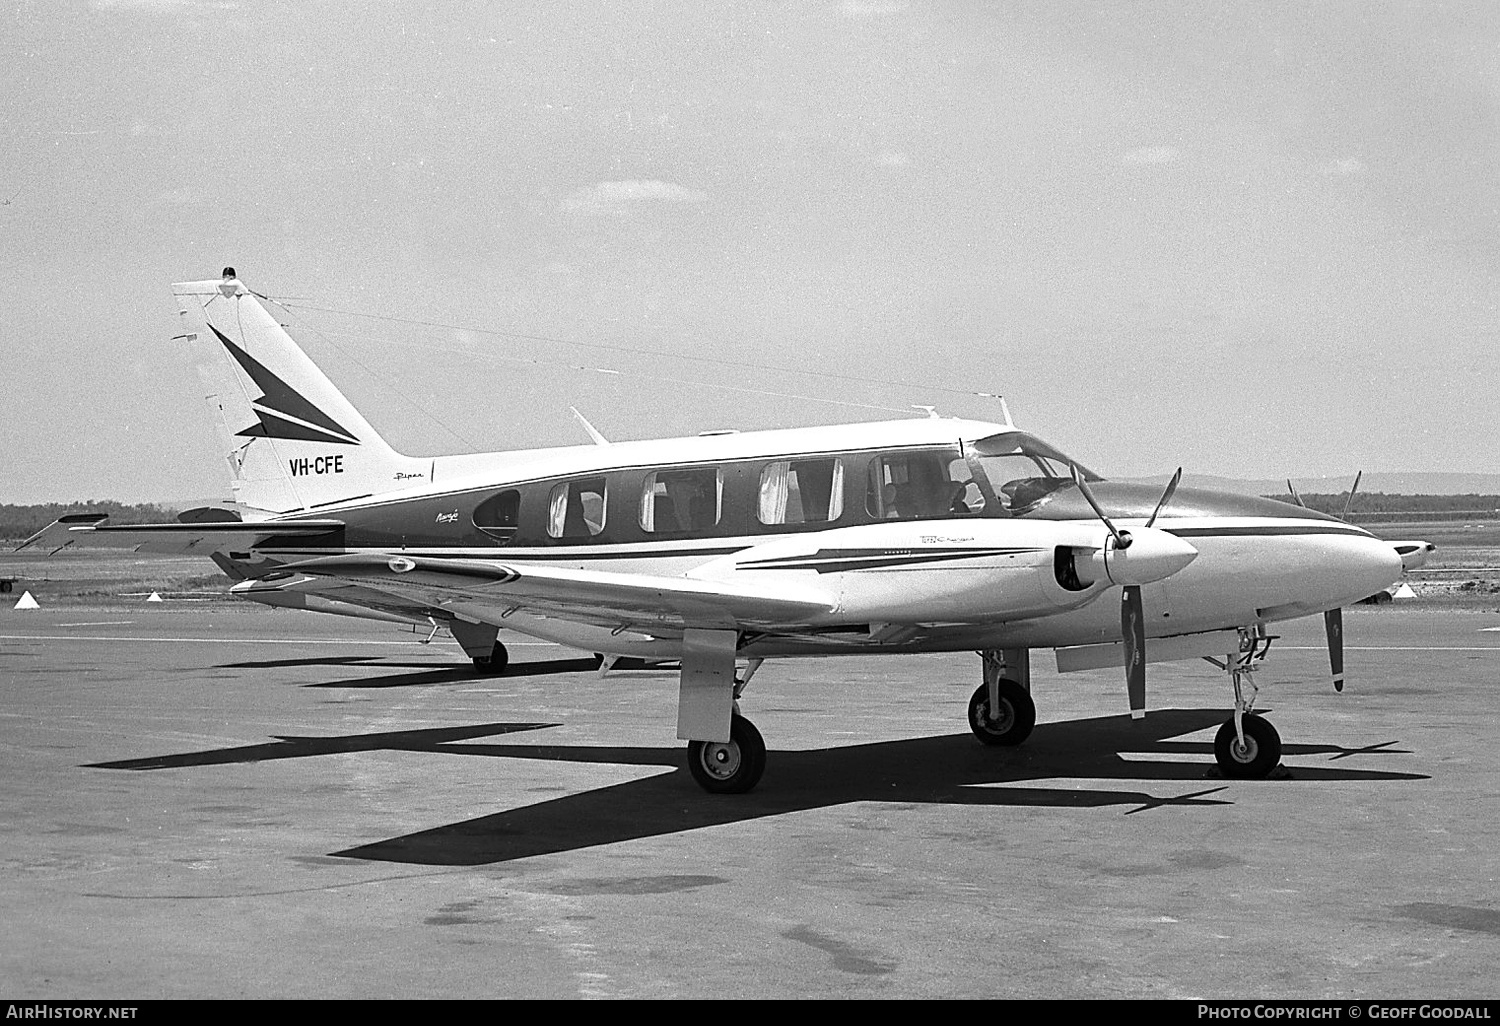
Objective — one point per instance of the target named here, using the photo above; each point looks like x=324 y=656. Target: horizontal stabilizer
x=88 y=531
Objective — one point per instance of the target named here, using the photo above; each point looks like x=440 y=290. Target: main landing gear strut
x=481 y=644
x=736 y=765
x=494 y=664
x=1247 y=746
x=1001 y=712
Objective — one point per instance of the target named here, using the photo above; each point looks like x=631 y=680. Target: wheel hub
x=721 y=760
x=997 y=719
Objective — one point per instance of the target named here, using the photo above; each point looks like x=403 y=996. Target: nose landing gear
x=1247 y=746
x=1253 y=757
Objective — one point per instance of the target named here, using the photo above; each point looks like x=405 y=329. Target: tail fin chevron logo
x=282 y=411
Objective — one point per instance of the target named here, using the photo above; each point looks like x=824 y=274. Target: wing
x=86 y=530
x=598 y=598
x=342 y=598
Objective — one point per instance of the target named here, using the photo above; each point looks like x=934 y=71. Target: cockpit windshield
x=1024 y=470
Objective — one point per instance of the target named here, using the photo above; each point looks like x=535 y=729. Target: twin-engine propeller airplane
x=918 y=535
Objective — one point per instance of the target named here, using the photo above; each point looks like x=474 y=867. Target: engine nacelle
x=1152 y=555
x=970 y=571
x=1413 y=553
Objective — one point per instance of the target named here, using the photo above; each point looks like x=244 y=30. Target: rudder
x=292 y=440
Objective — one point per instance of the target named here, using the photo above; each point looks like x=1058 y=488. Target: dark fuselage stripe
x=576 y=553
x=569 y=555
x=833 y=560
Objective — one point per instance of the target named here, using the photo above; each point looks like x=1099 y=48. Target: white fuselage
x=983 y=579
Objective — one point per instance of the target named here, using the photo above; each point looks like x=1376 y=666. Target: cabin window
x=801 y=492
x=681 y=500
x=575 y=509
x=499 y=515
x=913 y=485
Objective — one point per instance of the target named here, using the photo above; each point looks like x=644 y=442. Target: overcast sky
x=1256 y=239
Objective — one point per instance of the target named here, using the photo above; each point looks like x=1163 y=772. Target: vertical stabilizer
x=293 y=442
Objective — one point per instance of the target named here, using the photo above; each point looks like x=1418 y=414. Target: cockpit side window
x=926 y=483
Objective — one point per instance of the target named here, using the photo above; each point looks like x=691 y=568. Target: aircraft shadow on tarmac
x=429 y=674
x=950 y=769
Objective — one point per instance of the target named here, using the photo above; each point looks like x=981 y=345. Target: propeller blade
x=1133 y=629
x=1350 y=501
x=1122 y=538
x=1166 y=497
x=1333 y=621
x=1293 y=489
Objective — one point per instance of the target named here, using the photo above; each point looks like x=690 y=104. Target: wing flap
x=326 y=595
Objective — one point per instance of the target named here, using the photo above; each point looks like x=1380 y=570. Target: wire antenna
x=676 y=356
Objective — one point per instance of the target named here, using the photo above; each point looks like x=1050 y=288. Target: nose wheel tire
x=1257 y=757
x=730 y=767
x=1010 y=722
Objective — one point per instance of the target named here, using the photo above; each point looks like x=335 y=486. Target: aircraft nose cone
x=1152 y=555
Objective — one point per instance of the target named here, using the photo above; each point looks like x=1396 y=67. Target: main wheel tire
x=1010 y=723
x=731 y=767
x=495 y=663
x=1260 y=754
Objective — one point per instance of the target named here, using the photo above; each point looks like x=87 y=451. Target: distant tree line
x=1380 y=502
x=18 y=522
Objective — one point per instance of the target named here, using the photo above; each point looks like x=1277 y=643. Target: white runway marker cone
x=155 y=598
x=27 y=602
